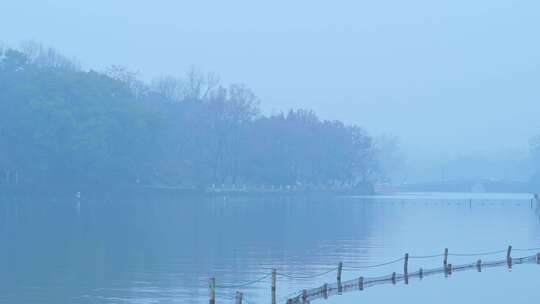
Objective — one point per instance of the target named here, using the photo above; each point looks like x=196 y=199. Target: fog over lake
x=269 y=152
x=453 y=80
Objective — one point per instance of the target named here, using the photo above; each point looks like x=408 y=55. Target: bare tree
x=129 y=78
x=168 y=87
x=43 y=56
x=244 y=104
x=198 y=86
x=194 y=86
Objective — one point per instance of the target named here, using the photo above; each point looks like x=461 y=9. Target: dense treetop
x=62 y=124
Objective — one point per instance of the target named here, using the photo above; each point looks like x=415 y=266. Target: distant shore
x=98 y=191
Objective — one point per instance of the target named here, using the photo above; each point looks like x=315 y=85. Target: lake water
x=164 y=250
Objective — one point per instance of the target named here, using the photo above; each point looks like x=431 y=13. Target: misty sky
x=452 y=78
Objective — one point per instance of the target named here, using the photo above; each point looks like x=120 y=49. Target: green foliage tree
x=60 y=124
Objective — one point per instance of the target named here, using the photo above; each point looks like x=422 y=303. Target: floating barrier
x=360 y=283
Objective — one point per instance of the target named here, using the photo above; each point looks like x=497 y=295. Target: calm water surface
x=164 y=251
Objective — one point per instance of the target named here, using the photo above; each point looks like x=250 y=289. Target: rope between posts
x=476 y=254
x=306 y=276
x=472 y=254
x=527 y=249
x=327 y=291
x=377 y=265
x=244 y=284
x=426 y=256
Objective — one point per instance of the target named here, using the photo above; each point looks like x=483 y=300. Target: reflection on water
x=164 y=251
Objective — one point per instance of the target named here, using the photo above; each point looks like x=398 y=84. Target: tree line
x=534 y=145
x=61 y=124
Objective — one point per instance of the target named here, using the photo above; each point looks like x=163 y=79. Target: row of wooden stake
x=447 y=267
x=239 y=295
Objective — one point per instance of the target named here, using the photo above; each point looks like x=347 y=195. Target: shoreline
x=99 y=191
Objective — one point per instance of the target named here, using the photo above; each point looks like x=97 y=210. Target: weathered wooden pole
x=274 y=276
x=212 y=286
x=393 y=278
x=239 y=297
x=509 y=256
x=479 y=265
x=340 y=269
x=305 y=297
x=325 y=291
x=406 y=268
x=421 y=273
x=406 y=264
x=445 y=262
x=361 y=283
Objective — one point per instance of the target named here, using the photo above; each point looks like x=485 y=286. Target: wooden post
x=361 y=283
x=340 y=269
x=304 y=297
x=445 y=262
x=325 y=291
x=274 y=275
x=449 y=268
x=393 y=278
x=212 y=286
x=509 y=257
x=239 y=297
x=479 y=265
x=406 y=264
x=406 y=268
x=421 y=273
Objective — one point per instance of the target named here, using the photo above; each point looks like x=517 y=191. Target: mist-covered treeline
x=62 y=124
x=534 y=146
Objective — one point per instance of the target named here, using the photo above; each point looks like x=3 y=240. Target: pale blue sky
x=447 y=77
